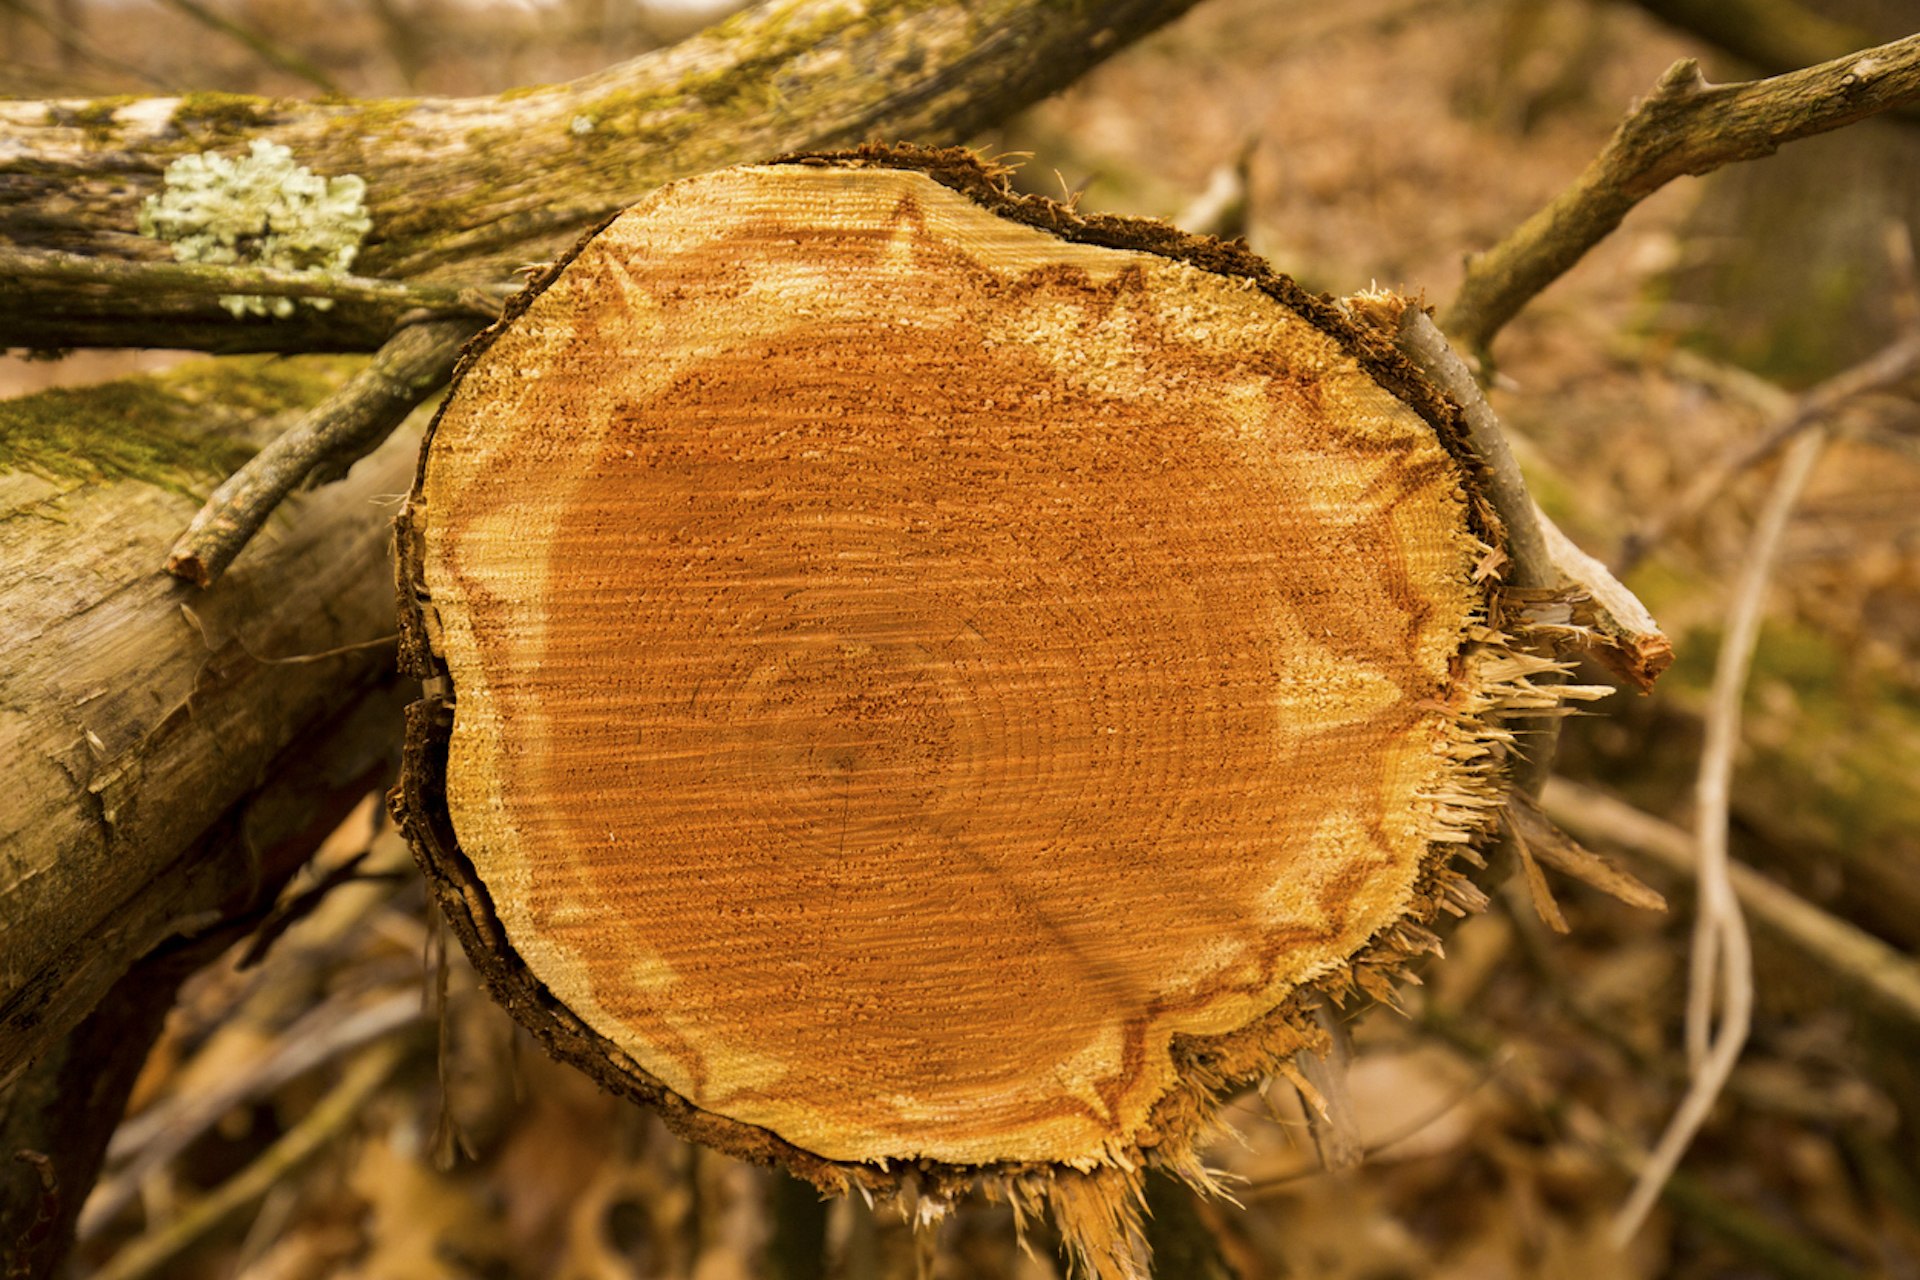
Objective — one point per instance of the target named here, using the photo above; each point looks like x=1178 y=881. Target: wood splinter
x=936 y=689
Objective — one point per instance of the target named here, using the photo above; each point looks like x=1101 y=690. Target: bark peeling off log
x=127 y=724
x=940 y=680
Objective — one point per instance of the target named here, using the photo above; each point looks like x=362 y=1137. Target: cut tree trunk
x=136 y=711
x=926 y=685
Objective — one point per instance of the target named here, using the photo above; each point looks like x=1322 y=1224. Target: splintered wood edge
x=1208 y=1067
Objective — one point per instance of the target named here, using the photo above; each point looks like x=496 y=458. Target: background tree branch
x=467 y=189
x=1685 y=126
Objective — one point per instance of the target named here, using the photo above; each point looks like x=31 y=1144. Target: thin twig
x=152 y=1139
x=1842 y=948
x=413 y=365
x=1685 y=126
x=204 y=280
x=1722 y=963
x=76 y=44
x=1421 y=341
x=1889 y=366
x=269 y=52
x=153 y=1254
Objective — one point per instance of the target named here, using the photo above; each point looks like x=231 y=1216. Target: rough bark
x=322 y=445
x=469 y=189
x=57 y=1116
x=781 y=634
x=134 y=710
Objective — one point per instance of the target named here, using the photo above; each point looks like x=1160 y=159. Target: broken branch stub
x=932 y=686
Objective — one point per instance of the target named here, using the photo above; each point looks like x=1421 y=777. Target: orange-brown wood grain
x=912 y=671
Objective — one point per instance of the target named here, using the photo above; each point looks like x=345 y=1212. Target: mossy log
x=469 y=189
x=135 y=711
x=925 y=685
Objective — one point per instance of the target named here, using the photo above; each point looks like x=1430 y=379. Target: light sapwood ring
x=936 y=677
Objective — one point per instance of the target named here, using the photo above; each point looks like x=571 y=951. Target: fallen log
x=469 y=189
x=57 y=1116
x=926 y=686
x=135 y=710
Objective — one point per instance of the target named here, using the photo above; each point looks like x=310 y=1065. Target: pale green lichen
x=261 y=210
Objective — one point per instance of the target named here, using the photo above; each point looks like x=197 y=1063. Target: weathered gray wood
x=467 y=189
x=57 y=1117
x=135 y=710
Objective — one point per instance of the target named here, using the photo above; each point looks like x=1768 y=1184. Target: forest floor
x=1504 y=1110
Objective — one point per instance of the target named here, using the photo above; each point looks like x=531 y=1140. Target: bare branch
x=74 y=44
x=137 y=282
x=1420 y=341
x=1686 y=126
x=1892 y=364
x=269 y=52
x=334 y=433
x=1722 y=955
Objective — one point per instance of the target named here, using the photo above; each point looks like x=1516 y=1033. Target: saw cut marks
x=912 y=672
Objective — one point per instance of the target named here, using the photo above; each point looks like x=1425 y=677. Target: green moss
x=527 y=91
x=255 y=386
x=94 y=118
x=746 y=86
x=179 y=430
x=375 y=116
x=221 y=112
x=1835 y=755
